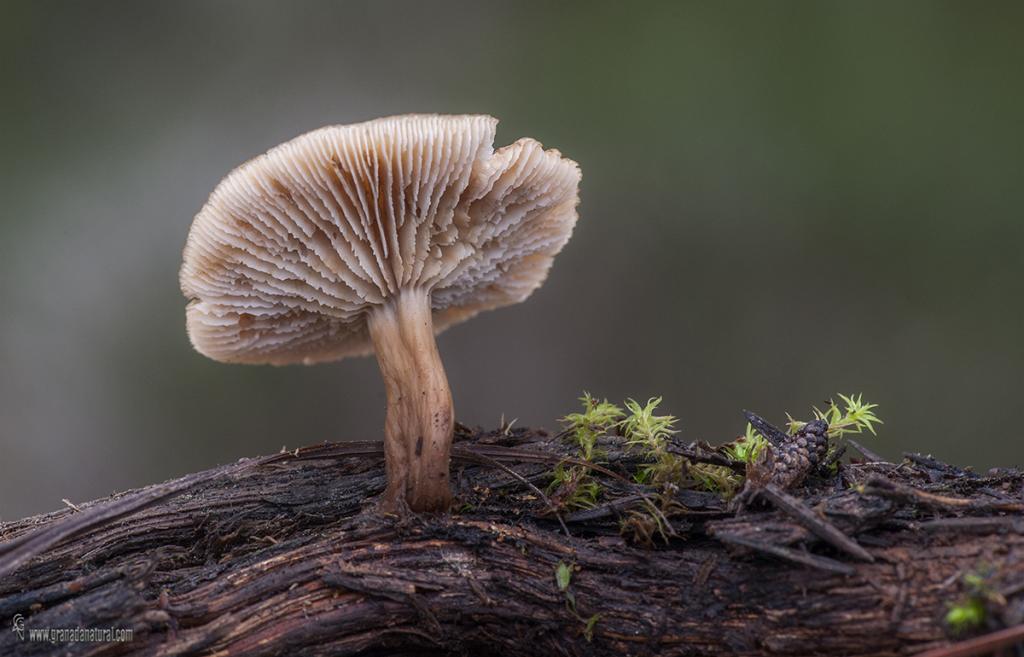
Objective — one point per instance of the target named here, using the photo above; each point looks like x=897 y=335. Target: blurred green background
x=780 y=201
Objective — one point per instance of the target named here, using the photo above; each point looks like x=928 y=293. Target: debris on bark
x=289 y=554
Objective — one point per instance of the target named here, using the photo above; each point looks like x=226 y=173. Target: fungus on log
x=372 y=238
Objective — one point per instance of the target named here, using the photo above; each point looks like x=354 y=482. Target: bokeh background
x=780 y=201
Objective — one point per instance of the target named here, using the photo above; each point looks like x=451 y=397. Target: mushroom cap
x=294 y=248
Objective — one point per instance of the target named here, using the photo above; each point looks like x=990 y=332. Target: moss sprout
x=650 y=434
x=716 y=478
x=965 y=616
x=596 y=420
x=563 y=577
x=649 y=521
x=856 y=416
x=573 y=487
x=747 y=447
x=970 y=612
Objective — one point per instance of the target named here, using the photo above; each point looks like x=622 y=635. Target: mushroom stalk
x=418 y=427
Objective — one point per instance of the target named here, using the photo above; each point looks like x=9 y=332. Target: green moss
x=746 y=448
x=856 y=416
x=573 y=486
x=649 y=433
x=966 y=616
x=970 y=612
x=643 y=427
x=649 y=520
x=596 y=420
x=716 y=478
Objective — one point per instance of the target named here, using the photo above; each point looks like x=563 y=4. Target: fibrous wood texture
x=289 y=555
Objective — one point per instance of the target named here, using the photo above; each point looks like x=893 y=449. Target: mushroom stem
x=418 y=427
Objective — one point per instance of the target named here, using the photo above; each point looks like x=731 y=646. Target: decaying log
x=289 y=555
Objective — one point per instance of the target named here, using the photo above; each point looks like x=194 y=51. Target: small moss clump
x=664 y=466
x=716 y=479
x=965 y=616
x=572 y=486
x=855 y=417
x=596 y=420
x=970 y=612
x=650 y=433
x=747 y=447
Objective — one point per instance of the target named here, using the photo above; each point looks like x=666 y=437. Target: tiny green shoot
x=563 y=577
x=597 y=419
x=746 y=448
x=716 y=478
x=970 y=612
x=577 y=488
x=650 y=433
x=856 y=416
x=642 y=427
x=588 y=627
x=965 y=616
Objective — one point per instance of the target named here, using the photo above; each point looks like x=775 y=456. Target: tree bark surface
x=288 y=555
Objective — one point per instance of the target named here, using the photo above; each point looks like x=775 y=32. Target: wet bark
x=289 y=555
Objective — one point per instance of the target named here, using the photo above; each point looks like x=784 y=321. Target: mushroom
x=374 y=237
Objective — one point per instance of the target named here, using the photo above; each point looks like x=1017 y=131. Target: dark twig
x=789 y=554
x=885 y=488
x=935 y=465
x=972 y=524
x=832 y=458
x=517 y=455
x=487 y=460
x=698 y=455
x=604 y=510
x=872 y=457
x=821 y=528
x=772 y=433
